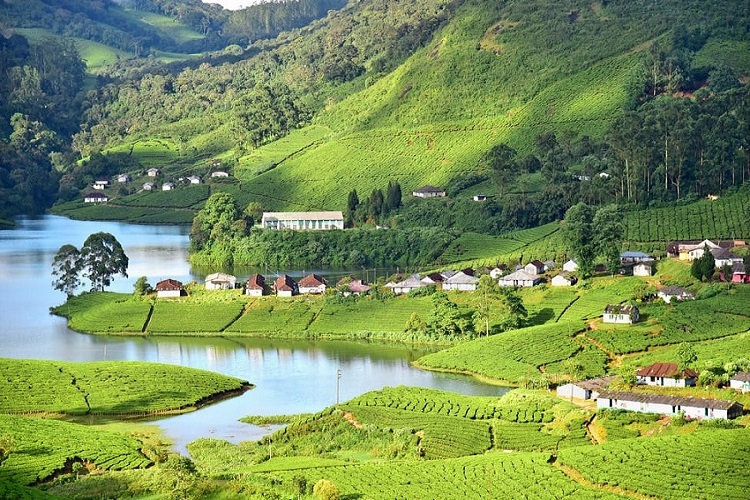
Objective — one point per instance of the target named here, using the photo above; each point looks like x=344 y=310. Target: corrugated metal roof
x=639 y=397
x=670 y=370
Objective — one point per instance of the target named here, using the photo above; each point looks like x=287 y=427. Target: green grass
x=672 y=466
x=108 y=387
x=172 y=27
x=95 y=54
x=43 y=447
x=172 y=317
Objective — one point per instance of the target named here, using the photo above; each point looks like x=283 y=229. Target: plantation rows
x=512 y=355
x=187 y=197
x=181 y=317
x=591 y=359
x=672 y=467
x=492 y=475
x=725 y=218
x=43 y=446
x=537 y=437
x=110 y=387
x=686 y=322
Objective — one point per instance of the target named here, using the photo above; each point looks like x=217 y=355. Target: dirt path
x=352 y=420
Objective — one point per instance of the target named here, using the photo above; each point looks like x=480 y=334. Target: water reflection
x=290 y=376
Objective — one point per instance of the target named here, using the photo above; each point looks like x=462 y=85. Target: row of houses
x=663 y=375
x=256 y=286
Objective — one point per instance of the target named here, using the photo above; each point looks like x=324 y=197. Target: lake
x=290 y=376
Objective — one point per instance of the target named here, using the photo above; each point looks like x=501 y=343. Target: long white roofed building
x=303 y=220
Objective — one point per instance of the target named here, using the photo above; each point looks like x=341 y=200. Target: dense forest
x=525 y=102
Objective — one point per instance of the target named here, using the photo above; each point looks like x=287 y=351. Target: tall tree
x=102 y=257
x=393 y=196
x=579 y=236
x=609 y=231
x=489 y=295
x=66 y=267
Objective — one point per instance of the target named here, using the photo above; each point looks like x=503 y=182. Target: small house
x=123 y=178
x=634 y=257
x=695 y=251
x=740 y=381
x=549 y=265
x=220 y=281
x=219 y=174
x=643 y=269
x=411 y=283
x=669 y=293
x=312 y=284
x=724 y=257
x=584 y=389
x=428 y=192
x=168 y=288
x=256 y=285
x=101 y=184
x=303 y=220
x=520 y=278
x=433 y=279
x=534 y=267
x=571 y=266
x=167 y=186
x=666 y=375
x=480 y=197
x=564 y=279
x=447 y=273
x=194 y=179
x=148 y=186
x=285 y=286
x=621 y=314
x=497 y=271
x=697 y=408
x=95 y=197
x=353 y=287
x=461 y=281
x=153 y=172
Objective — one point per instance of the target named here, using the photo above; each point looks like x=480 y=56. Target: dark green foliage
x=102 y=257
x=703 y=268
x=66 y=267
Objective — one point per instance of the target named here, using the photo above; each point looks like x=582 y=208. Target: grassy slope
x=105 y=387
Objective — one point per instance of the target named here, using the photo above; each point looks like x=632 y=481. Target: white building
x=303 y=220
x=643 y=269
x=520 y=278
x=312 y=283
x=256 y=285
x=564 y=279
x=571 y=266
x=168 y=288
x=669 y=293
x=621 y=314
x=584 y=389
x=96 y=197
x=428 y=192
x=167 y=186
x=666 y=375
x=694 y=408
x=740 y=381
x=220 y=281
x=461 y=281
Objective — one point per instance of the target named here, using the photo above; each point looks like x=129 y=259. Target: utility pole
x=338 y=383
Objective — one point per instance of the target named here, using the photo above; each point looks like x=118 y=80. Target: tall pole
x=338 y=380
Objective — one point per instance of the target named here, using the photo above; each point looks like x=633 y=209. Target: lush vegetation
x=111 y=388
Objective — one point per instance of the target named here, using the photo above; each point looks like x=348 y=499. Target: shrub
x=326 y=490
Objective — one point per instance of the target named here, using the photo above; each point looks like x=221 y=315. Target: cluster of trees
x=376 y=208
x=590 y=232
x=39 y=89
x=704 y=267
x=498 y=309
x=100 y=258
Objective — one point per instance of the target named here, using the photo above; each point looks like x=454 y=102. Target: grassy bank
x=119 y=388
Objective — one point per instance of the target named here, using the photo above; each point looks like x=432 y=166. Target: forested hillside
x=537 y=104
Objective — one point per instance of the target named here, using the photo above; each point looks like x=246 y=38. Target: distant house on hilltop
x=123 y=178
x=571 y=266
x=219 y=174
x=95 y=197
x=740 y=381
x=564 y=279
x=167 y=186
x=405 y=286
x=153 y=172
x=461 y=281
x=520 y=278
x=535 y=267
x=669 y=293
x=428 y=192
x=631 y=257
x=643 y=269
x=303 y=220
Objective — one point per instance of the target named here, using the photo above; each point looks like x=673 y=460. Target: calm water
x=290 y=376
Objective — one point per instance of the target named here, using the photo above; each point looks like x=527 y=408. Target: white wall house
x=520 y=278
x=411 y=283
x=96 y=197
x=313 y=284
x=584 y=389
x=256 y=285
x=669 y=293
x=694 y=408
x=740 y=381
x=564 y=279
x=461 y=281
x=571 y=266
x=168 y=288
x=285 y=286
x=303 y=220
x=643 y=269
x=666 y=375
x=621 y=314
x=220 y=281
x=428 y=192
